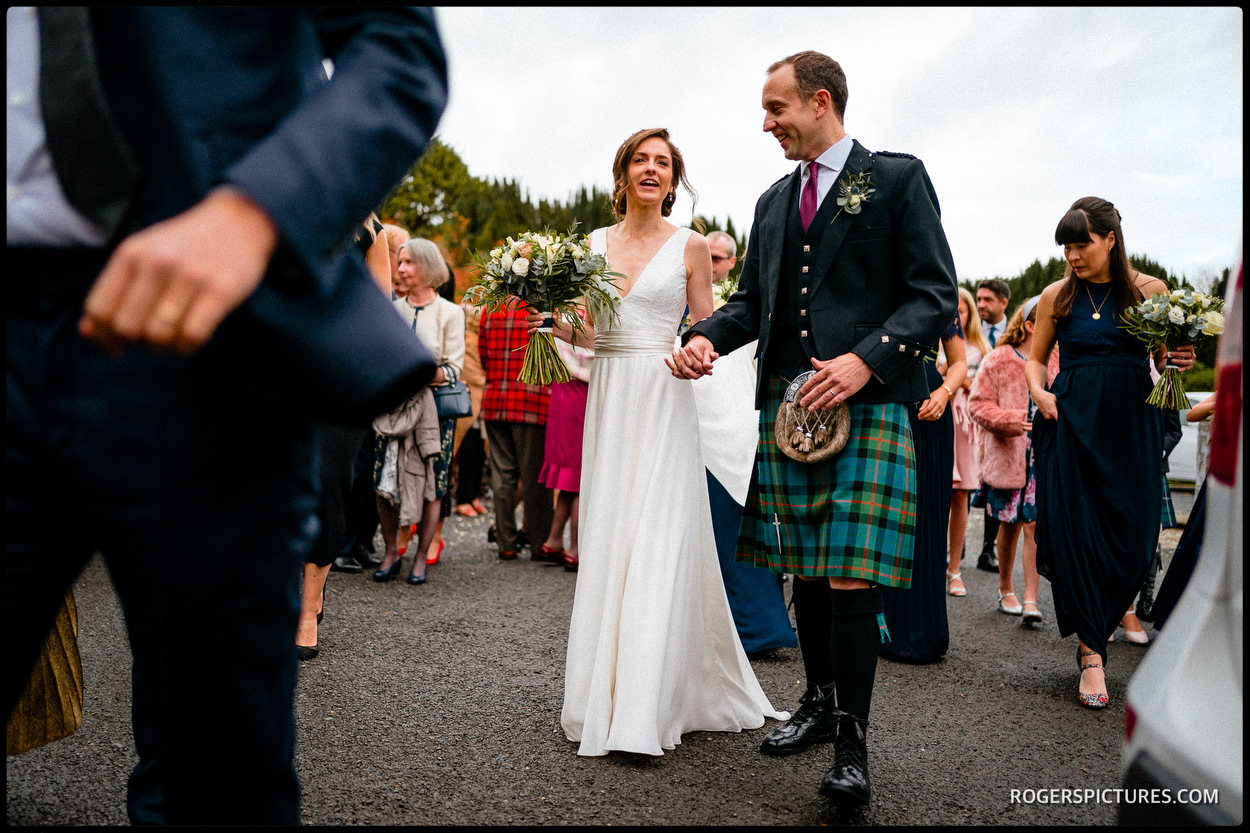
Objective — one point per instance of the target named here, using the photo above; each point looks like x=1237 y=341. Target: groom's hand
x=835 y=381
x=694 y=360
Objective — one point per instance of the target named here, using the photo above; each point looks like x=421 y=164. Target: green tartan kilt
x=852 y=516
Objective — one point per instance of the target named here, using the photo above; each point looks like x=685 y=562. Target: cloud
x=1015 y=112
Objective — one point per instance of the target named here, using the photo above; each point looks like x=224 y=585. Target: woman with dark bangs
x=1094 y=484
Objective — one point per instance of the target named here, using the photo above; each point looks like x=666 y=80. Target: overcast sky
x=1015 y=112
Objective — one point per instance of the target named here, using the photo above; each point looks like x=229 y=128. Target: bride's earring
x=669 y=200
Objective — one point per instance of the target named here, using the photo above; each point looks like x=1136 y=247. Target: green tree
x=706 y=225
x=427 y=199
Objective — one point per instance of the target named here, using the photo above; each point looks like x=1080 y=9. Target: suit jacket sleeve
x=330 y=159
x=925 y=274
x=737 y=321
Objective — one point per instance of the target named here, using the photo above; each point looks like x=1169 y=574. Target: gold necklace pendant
x=1097 y=307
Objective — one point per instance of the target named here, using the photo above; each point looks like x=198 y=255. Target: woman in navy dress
x=1097 y=494
x=916 y=617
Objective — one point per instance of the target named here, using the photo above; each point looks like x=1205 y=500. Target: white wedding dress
x=653 y=651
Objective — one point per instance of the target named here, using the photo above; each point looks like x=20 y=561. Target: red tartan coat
x=501 y=342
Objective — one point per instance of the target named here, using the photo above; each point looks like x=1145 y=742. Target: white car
x=1181 y=761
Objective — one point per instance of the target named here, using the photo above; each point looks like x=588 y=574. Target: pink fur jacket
x=998 y=404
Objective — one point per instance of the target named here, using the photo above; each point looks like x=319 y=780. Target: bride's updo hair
x=620 y=167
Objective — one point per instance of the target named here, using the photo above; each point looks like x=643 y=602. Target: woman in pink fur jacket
x=1000 y=406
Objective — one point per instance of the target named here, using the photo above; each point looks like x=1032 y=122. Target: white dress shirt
x=36 y=210
x=831 y=163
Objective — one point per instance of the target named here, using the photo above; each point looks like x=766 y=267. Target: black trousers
x=362 y=504
x=164 y=468
x=337 y=449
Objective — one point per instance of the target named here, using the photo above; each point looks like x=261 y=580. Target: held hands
x=694 y=359
x=170 y=285
x=835 y=381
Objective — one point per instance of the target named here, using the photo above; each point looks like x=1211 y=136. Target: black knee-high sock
x=812 y=617
x=856 y=640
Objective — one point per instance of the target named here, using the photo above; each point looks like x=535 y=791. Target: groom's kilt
x=852 y=516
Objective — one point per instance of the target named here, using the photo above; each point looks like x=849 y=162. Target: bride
x=653 y=652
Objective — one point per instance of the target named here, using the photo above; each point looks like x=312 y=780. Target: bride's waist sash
x=609 y=343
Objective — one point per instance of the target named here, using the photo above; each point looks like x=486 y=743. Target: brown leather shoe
x=507 y=555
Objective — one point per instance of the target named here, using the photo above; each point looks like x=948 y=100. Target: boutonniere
x=855 y=189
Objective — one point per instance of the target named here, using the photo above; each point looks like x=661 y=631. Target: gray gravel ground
x=439 y=705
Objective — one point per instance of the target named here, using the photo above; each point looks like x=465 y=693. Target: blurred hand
x=172 y=284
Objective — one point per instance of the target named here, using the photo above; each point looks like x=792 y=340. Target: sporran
x=810 y=436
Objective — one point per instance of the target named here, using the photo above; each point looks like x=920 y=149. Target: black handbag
x=452 y=401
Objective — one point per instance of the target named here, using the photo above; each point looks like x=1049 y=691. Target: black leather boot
x=846 y=782
x=815 y=721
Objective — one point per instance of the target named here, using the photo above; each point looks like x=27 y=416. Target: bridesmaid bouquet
x=554 y=275
x=1182 y=316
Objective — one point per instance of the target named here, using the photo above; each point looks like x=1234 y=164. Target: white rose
x=1176 y=315
x=578 y=252
x=1214 y=325
x=1176 y=294
x=506 y=260
x=521 y=266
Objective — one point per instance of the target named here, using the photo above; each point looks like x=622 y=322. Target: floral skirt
x=1012 y=506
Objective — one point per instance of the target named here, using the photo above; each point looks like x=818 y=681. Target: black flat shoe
x=306 y=652
x=386 y=575
x=413 y=578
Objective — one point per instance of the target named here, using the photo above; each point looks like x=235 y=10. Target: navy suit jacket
x=208 y=96
x=884 y=280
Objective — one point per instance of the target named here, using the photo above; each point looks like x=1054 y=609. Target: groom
x=857 y=293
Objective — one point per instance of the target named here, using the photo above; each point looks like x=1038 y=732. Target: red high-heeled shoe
x=434 y=558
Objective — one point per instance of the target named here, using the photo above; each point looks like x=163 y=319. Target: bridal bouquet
x=552 y=274
x=1182 y=316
